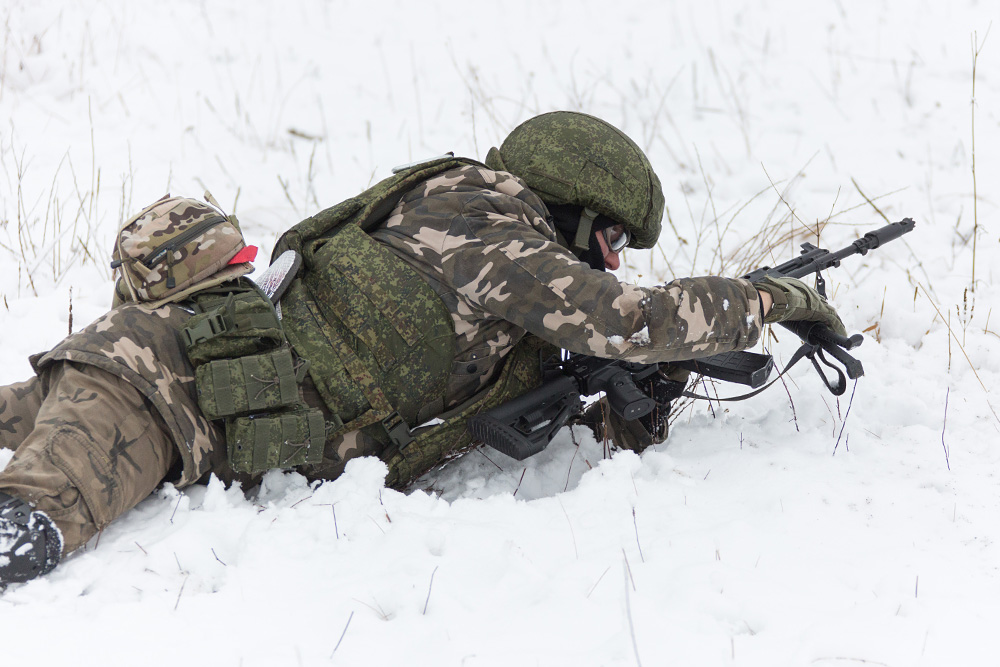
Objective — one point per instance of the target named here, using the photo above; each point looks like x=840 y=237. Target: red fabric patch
x=248 y=254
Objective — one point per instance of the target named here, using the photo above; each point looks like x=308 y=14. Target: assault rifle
x=525 y=426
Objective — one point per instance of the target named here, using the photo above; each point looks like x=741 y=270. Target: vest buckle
x=399 y=432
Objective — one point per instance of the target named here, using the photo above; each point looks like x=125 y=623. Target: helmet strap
x=567 y=220
x=582 y=240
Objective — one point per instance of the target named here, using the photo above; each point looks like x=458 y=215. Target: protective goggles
x=616 y=237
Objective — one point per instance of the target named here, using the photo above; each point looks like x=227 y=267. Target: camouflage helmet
x=567 y=157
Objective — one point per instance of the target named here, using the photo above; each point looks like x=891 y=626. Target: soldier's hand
x=793 y=300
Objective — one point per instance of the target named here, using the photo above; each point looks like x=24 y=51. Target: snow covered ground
x=833 y=533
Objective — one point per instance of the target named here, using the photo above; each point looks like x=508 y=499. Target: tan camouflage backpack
x=177 y=246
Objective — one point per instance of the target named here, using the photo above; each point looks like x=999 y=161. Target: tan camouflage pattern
x=18 y=406
x=173 y=245
x=93 y=448
x=480 y=238
x=143 y=346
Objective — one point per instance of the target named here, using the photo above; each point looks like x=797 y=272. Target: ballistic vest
x=379 y=341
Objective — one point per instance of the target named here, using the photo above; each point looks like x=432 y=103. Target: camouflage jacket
x=143 y=346
x=482 y=241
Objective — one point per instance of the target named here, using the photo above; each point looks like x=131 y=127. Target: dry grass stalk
x=977 y=47
x=946 y=322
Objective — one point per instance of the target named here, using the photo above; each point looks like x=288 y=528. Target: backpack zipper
x=178 y=241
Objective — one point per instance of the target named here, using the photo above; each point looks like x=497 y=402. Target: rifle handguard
x=740 y=367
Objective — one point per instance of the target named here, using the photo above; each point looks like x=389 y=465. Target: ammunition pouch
x=275 y=440
x=248 y=375
x=232 y=322
x=244 y=385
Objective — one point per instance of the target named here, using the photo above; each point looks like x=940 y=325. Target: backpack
x=175 y=247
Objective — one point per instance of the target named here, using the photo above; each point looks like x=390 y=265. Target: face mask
x=566 y=219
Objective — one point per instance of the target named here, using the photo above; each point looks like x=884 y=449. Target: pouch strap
x=224 y=319
x=214 y=325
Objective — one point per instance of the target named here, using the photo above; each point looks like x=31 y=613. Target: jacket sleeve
x=499 y=259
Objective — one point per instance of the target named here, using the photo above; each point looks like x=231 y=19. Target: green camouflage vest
x=379 y=340
x=365 y=210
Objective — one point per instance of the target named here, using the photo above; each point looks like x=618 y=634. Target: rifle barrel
x=815 y=259
x=890 y=232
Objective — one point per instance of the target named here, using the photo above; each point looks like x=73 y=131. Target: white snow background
x=841 y=533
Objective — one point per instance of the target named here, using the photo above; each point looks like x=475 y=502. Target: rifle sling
x=805 y=351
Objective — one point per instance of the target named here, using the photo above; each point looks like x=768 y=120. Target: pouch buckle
x=210 y=327
x=399 y=432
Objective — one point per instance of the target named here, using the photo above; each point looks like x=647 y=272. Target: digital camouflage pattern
x=566 y=157
x=379 y=342
x=366 y=210
x=434 y=445
x=172 y=246
x=481 y=239
x=143 y=346
x=377 y=337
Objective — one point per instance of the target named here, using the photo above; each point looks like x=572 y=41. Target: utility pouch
x=238 y=324
x=176 y=247
x=253 y=383
x=280 y=440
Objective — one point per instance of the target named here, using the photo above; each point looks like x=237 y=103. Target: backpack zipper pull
x=171 y=282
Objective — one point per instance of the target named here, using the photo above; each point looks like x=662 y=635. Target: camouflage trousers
x=87 y=447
